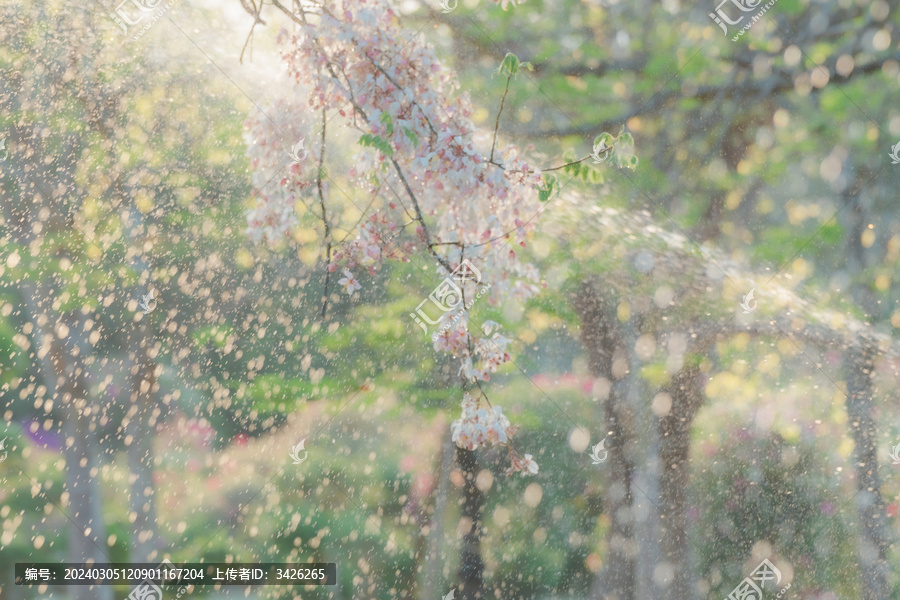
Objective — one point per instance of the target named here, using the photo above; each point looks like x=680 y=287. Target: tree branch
x=419 y=217
x=499 y=112
x=779 y=82
x=324 y=216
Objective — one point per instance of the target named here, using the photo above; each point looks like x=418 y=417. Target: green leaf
x=604 y=139
x=411 y=135
x=510 y=64
x=387 y=122
x=546 y=191
x=377 y=142
x=629 y=161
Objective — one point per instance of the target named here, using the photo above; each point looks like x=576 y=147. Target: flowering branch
x=420 y=218
x=402 y=102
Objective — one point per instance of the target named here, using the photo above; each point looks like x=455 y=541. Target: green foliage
x=766 y=489
x=549 y=185
x=581 y=170
x=240 y=340
x=377 y=142
x=411 y=135
x=511 y=64
x=387 y=122
x=778 y=244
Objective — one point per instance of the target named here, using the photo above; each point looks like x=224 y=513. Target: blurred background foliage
x=746 y=148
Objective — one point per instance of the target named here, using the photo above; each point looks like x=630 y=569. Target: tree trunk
x=434 y=561
x=602 y=341
x=675 y=439
x=63 y=372
x=142 y=410
x=8 y=588
x=471 y=565
x=643 y=454
x=858 y=257
x=575 y=581
x=85 y=508
x=140 y=432
x=873 y=533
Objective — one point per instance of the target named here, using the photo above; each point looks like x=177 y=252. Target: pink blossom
x=482 y=426
x=521 y=465
x=349 y=282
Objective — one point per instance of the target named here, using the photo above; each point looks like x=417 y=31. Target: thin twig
x=419 y=217
x=246 y=42
x=527 y=171
x=324 y=217
x=256 y=19
x=253 y=11
x=399 y=201
x=361 y=217
x=497 y=122
x=399 y=87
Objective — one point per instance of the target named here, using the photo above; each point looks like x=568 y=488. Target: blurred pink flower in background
x=198 y=432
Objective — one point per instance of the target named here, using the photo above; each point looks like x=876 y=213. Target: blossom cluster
x=480 y=426
x=466 y=197
x=389 y=85
x=274 y=215
x=458 y=341
x=376 y=240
